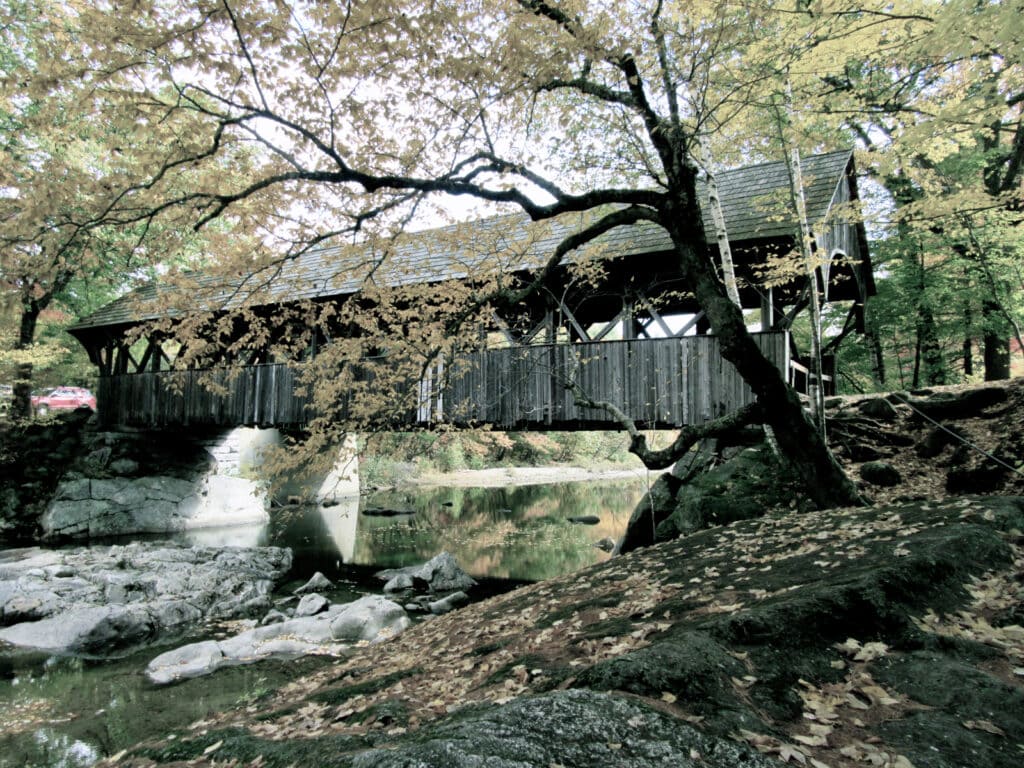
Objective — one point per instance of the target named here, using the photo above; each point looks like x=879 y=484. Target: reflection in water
x=518 y=532
x=68 y=713
x=322 y=538
x=251 y=535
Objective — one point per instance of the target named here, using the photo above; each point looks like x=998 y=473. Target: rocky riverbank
x=316 y=626
x=100 y=601
x=928 y=444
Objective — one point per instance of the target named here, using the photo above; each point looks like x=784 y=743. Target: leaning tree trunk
x=801 y=446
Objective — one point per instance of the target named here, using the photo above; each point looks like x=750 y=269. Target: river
x=69 y=713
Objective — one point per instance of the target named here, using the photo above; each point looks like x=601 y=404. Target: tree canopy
x=300 y=123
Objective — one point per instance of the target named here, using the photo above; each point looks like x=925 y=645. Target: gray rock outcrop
x=717 y=484
x=310 y=605
x=567 y=728
x=370 y=619
x=99 y=601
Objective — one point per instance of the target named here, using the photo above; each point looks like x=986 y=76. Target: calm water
x=520 y=532
x=70 y=713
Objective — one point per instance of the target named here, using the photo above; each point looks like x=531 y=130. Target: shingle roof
x=755 y=202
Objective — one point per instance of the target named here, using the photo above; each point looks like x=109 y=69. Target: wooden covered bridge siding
x=257 y=395
x=657 y=382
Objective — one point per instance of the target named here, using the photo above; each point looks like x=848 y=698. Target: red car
x=64 y=399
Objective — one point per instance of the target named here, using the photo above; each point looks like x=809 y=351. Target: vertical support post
x=121 y=360
x=629 y=329
x=423 y=412
x=767 y=310
x=550 y=337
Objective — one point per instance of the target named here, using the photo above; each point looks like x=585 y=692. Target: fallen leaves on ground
x=544 y=636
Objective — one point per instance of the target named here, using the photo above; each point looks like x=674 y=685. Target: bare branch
x=245 y=52
x=590 y=88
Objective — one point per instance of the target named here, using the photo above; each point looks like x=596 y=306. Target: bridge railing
x=657 y=382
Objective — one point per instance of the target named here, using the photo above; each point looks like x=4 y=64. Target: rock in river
x=439 y=574
x=370 y=619
x=316 y=583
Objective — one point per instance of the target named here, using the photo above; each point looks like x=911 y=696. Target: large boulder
x=89 y=631
x=98 y=601
x=569 y=728
x=316 y=583
x=310 y=605
x=193 y=660
x=371 y=618
x=714 y=485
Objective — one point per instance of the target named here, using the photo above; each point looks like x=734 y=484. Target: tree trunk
x=21 y=401
x=995 y=342
x=967 y=348
x=931 y=352
x=874 y=343
x=800 y=443
x=928 y=363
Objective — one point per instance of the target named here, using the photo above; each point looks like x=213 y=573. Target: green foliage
x=943 y=291
x=452 y=457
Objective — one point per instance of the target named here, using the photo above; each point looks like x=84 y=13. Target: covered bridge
x=641 y=338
